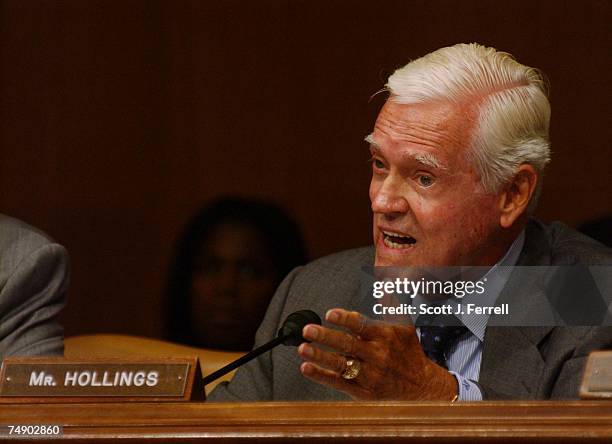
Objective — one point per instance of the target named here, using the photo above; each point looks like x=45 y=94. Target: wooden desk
x=550 y=422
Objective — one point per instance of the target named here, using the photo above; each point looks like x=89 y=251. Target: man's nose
x=389 y=200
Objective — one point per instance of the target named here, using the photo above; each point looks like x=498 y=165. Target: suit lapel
x=511 y=359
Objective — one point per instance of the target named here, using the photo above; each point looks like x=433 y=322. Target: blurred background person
x=227 y=264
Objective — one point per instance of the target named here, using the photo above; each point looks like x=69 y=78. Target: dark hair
x=277 y=229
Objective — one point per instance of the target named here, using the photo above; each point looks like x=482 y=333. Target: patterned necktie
x=437 y=339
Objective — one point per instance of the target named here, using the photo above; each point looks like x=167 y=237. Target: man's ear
x=515 y=196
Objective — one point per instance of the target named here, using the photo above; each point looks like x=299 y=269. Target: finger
x=331 y=379
x=329 y=360
x=343 y=342
x=355 y=322
x=367 y=328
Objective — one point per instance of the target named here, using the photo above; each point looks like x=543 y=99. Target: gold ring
x=352 y=368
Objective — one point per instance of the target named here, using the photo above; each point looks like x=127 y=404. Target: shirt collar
x=496 y=279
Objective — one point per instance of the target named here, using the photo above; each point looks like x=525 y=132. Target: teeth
x=389 y=233
x=389 y=243
x=388 y=236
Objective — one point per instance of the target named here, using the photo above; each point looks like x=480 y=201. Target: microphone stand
x=289 y=334
x=244 y=359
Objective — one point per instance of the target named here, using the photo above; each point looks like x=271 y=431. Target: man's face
x=428 y=204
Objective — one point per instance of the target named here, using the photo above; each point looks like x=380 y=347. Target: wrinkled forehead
x=439 y=127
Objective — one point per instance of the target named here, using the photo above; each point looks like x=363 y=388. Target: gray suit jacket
x=33 y=284
x=517 y=362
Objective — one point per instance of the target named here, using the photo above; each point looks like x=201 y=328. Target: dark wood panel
x=558 y=422
x=119 y=118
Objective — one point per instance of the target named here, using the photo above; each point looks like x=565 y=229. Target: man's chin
x=393 y=260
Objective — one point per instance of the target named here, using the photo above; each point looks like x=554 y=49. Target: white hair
x=513 y=108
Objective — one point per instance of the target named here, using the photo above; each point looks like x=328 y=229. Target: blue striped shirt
x=465 y=356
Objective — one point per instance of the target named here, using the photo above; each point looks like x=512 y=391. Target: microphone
x=290 y=333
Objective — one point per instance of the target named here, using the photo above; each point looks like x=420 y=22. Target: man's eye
x=425 y=181
x=377 y=163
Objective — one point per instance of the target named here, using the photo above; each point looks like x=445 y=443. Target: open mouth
x=396 y=240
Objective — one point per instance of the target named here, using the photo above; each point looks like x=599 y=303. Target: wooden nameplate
x=100 y=380
x=597 y=379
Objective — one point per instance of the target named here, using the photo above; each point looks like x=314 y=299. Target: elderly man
x=33 y=285
x=458 y=152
